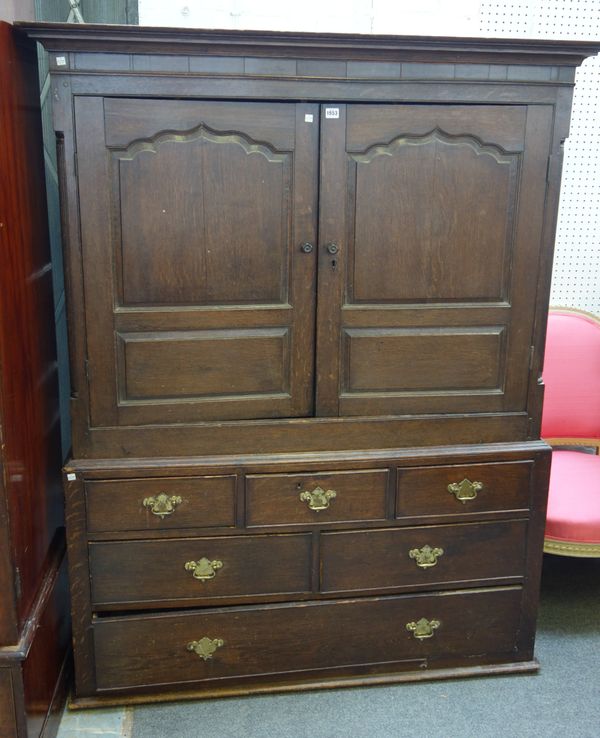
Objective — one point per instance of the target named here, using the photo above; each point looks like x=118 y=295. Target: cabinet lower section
x=223 y=576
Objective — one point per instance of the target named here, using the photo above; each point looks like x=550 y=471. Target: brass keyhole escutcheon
x=203 y=569
x=318 y=499
x=205 y=647
x=465 y=490
x=426 y=557
x=423 y=628
x=163 y=504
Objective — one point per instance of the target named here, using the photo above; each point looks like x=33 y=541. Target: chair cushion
x=574 y=499
x=572 y=377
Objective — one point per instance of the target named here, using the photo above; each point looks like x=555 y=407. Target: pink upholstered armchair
x=571 y=417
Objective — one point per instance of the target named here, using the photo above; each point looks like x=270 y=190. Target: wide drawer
x=159 y=504
x=199 y=568
x=134 y=652
x=315 y=499
x=425 y=556
x=463 y=489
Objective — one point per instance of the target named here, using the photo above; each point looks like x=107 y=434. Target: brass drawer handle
x=426 y=557
x=163 y=504
x=423 y=628
x=318 y=499
x=203 y=569
x=465 y=490
x=205 y=647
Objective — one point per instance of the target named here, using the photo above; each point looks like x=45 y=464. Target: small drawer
x=461 y=490
x=134 y=572
x=315 y=499
x=160 y=504
x=392 y=633
x=400 y=558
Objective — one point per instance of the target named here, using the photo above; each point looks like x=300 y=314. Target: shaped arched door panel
x=437 y=219
x=200 y=300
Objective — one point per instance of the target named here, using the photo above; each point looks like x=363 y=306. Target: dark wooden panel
x=374 y=70
x=127 y=121
x=540 y=478
x=289 y=436
x=424 y=491
x=274 y=499
x=330 y=296
x=8 y=716
x=154 y=571
x=449 y=315
x=310 y=45
x=503 y=127
x=149 y=63
x=317 y=68
x=205 y=219
x=362 y=91
x=30 y=492
x=388 y=359
x=321 y=68
x=380 y=559
x=45 y=677
x=119 y=505
x=9 y=632
x=194 y=318
x=288 y=638
x=406 y=248
x=217 y=64
x=452 y=234
x=155 y=468
x=201 y=207
x=274 y=67
x=79 y=584
x=206 y=363
x=560 y=132
x=34 y=691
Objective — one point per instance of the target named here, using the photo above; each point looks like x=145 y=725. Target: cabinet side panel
x=8 y=714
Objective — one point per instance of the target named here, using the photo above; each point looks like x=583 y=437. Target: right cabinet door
x=430 y=228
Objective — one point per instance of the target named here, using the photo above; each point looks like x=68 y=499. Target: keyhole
x=334 y=264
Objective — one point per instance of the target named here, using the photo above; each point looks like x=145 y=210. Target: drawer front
x=315 y=499
x=238 y=642
x=428 y=555
x=474 y=488
x=159 y=504
x=199 y=568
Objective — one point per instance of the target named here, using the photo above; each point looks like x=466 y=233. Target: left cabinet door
x=199 y=295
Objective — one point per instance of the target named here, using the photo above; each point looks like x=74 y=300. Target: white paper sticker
x=332 y=112
x=71 y=477
x=308 y=118
x=61 y=61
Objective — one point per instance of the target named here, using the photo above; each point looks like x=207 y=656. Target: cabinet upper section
x=313 y=241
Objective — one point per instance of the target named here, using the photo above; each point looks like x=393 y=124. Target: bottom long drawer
x=134 y=652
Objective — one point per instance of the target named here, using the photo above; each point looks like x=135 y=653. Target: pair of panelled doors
x=264 y=260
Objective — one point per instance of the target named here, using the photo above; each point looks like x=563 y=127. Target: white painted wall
x=12 y=10
x=342 y=16
x=576 y=280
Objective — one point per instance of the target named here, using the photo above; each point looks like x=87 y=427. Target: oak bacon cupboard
x=308 y=278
